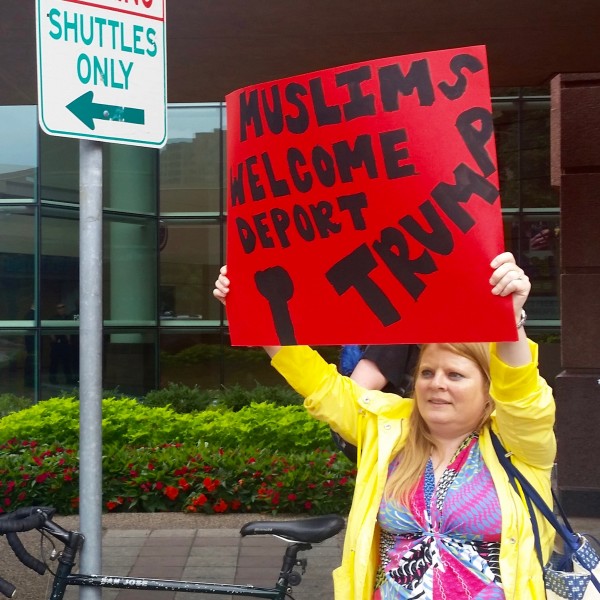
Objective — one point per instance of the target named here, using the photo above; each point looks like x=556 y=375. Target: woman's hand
x=509 y=278
x=220 y=293
x=222 y=286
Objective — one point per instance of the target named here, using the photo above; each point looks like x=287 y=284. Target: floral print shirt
x=446 y=544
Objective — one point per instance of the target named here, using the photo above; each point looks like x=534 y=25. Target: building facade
x=164 y=238
x=164 y=211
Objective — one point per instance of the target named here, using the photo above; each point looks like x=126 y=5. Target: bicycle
x=299 y=534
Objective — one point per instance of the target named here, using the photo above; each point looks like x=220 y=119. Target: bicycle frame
x=300 y=534
x=64 y=577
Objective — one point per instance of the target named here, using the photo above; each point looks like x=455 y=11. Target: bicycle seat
x=311 y=530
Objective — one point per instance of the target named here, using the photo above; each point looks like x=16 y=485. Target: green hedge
x=261 y=458
x=127 y=422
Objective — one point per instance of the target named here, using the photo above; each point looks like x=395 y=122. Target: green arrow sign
x=86 y=110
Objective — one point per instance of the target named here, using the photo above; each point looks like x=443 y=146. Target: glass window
x=190 y=163
x=18 y=152
x=59 y=270
x=59 y=169
x=535 y=156
x=17 y=264
x=59 y=372
x=540 y=260
x=130 y=178
x=129 y=361
x=130 y=270
x=506 y=129
x=189 y=263
x=248 y=367
x=17 y=363
x=191 y=358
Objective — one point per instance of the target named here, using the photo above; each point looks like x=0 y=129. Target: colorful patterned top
x=446 y=544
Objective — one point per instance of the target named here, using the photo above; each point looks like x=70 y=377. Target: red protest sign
x=363 y=205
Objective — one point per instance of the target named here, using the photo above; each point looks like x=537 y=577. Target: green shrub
x=181 y=398
x=179 y=477
x=126 y=422
x=10 y=403
x=236 y=397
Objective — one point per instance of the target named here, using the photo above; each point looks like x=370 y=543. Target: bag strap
x=565 y=530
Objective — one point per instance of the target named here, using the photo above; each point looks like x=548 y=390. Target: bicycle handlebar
x=23 y=519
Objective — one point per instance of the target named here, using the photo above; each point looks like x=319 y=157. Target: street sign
x=102 y=70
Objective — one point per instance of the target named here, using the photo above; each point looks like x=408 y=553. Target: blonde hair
x=419 y=444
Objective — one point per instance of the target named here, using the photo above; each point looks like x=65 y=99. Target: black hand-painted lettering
x=353 y=272
x=273 y=114
x=438 y=239
x=392 y=83
x=256 y=189
x=450 y=196
x=457 y=64
x=236 y=186
x=326 y=114
x=361 y=155
x=392 y=154
x=250 y=115
x=281 y=222
x=302 y=181
x=359 y=105
x=246 y=235
x=354 y=204
x=393 y=250
x=262 y=230
x=321 y=214
x=279 y=187
x=477 y=137
x=276 y=285
x=296 y=123
x=324 y=166
x=303 y=223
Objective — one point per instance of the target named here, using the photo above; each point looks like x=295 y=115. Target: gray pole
x=90 y=360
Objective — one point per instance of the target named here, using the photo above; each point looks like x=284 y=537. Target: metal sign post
x=102 y=70
x=101 y=78
x=90 y=360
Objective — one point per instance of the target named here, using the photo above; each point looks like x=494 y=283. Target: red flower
x=6 y=501
x=200 y=500
x=183 y=484
x=111 y=505
x=42 y=477
x=275 y=499
x=220 y=506
x=308 y=505
x=150 y=467
x=211 y=484
x=292 y=497
x=159 y=485
x=21 y=496
x=171 y=492
x=235 y=504
x=251 y=460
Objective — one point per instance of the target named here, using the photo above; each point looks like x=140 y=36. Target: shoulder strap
x=565 y=531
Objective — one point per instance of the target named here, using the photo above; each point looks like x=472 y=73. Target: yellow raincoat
x=377 y=424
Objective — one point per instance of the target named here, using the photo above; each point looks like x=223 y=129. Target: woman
x=433 y=513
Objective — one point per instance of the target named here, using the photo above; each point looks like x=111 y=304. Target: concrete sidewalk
x=181 y=546
x=192 y=547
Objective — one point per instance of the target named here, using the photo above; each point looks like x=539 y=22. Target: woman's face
x=450 y=391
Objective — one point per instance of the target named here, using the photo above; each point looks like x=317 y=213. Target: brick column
x=575 y=170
